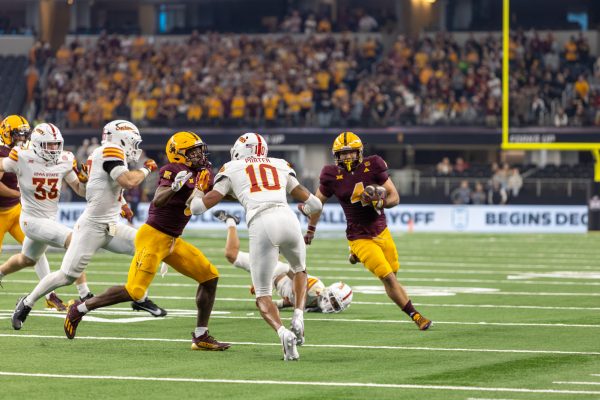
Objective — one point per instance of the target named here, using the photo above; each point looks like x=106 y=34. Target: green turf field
x=515 y=317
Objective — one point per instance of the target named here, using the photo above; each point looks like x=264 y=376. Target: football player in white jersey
x=41 y=169
x=260 y=184
x=331 y=299
x=98 y=226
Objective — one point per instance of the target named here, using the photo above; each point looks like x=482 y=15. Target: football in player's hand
x=375 y=195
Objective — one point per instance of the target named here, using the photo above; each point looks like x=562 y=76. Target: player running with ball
x=364 y=190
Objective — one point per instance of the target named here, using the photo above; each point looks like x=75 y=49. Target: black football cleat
x=150 y=307
x=86 y=297
x=223 y=215
x=20 y=314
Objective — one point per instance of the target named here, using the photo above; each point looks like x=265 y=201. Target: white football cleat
x=288 y=341
x=298 y=329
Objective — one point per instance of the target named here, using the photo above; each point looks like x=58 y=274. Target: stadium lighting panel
x=536 y=140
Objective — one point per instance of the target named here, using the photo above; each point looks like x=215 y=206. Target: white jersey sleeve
x=103 y=193
x=10 y=163
x=41 y=182
x=257 y=182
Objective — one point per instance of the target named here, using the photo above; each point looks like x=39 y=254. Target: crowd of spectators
x=503 y=183
x=320 y=80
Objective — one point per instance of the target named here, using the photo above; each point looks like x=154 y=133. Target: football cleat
x=298 y=329
x=150 y=307
x=223 y=215
x=53 y=301
x=81 y=299
x=288 y=342
x=422 y=322
x=207 y=342
x=20 y=314
x=72 y=319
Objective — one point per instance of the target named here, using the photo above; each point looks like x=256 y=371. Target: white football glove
x=180 y=179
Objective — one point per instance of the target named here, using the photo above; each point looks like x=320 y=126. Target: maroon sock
x=409 y=309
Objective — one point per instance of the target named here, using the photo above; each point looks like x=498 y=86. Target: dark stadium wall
x=54 y=22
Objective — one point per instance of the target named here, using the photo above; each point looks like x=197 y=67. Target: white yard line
x=5 y=314
x=365 y=278
x=301 y=383
x=575 y=383
x=328 y=346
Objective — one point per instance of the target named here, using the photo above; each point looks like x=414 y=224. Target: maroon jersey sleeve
x=379 y=169
x=10 y=180
x=327 y=180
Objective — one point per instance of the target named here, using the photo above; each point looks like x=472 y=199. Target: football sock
x=200 y=330
x=281 y=331
x=298 y=314
x=82 y=308
x=42 y=268
x=409 y=309
x=230 y=222
x=83 y=289
x=53 y=281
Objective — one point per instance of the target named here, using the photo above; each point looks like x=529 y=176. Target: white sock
x=51 y=282
x=82 y=308
x=281 y=331
x=230 y=222
x=200 y=330
x=42 y=268
x=298 y=314
x=83 y=289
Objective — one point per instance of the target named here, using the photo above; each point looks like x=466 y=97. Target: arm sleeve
x=9 y=164
x=114 y=168
x=292 y=183
x=71 y=177
x=223 y=185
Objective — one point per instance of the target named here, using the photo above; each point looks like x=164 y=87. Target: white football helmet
x=249 y=145
x=125 y=135
x=47 y=142
x=335 y=298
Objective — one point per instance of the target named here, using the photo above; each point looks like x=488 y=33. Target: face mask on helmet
x=197 y=156
x=348 y=159
x=15 y=130
x=125 y=135
x=335 y=298
x=47 y=142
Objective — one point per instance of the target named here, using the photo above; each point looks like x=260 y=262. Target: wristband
x=145 y=171
x=311 y=228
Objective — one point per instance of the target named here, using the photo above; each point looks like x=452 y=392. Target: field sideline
x=515 y=317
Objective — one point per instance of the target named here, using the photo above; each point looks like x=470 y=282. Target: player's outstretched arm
x=392 y=197
x=131 y=179
x=313 y=219
x=77 y=186
x=200 y=205
x=5 y=191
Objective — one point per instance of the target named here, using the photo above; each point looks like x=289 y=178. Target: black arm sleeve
x=110 y=165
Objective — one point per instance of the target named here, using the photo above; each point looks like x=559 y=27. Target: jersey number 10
x=264 y=178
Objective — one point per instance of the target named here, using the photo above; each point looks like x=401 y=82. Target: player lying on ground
x=364 y=190
x=15 y=131
x=159 y=240
x=260 y=184
x=332 y=299
x=98 y=226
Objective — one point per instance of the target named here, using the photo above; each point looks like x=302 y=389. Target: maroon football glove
x=310 y=234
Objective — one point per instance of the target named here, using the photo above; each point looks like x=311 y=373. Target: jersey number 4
x=264 y=178
x=40 y=191
x=358 y=189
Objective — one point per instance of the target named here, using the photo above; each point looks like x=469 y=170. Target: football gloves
x=374 y=195
x=180 y=180
x=150 y=165
x=83 y=173
x=310 y=234
x=127 y=213
x=203 y=181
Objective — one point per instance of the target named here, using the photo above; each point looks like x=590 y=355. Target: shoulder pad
x=328 y=173
x=113 y=153
x=375 y=163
